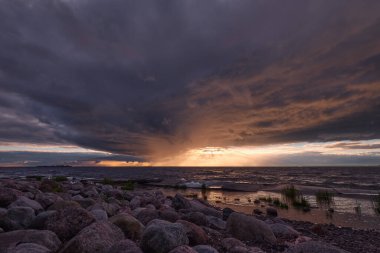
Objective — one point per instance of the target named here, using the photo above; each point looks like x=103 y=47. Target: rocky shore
x=50 y=215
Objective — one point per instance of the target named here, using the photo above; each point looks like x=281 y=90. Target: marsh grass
x=128 y=186
x=295 y=197
x=376 y=204
x=60 y=178
x=324 y=198
x=108 y=180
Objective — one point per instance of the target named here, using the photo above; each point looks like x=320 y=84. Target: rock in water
x=131 y=227
x=41 y=237
x=162 y=236
x=98 y=237
x=125 y=246
x=248 y=228
x=66 y=223
x=205 y=249
x=271 y=211
x=17 y=218
x=315 y=247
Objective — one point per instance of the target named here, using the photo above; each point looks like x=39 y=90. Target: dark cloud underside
x=149 y=78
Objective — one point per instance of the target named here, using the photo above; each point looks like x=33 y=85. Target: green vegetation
x=295 y=197
x=325 y=198
x=128 y=186
x=278 y=203
x=60 y=179
x=376 y=204
x=291 y=193
x=38 y=178
x=108 y=180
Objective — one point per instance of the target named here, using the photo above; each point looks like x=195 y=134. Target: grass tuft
x=128 y=186
x=325 y=198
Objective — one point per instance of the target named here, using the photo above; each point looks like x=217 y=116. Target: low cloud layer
x=152 y=79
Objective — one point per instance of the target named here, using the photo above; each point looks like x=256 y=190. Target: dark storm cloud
x=17 y=158
x=149 y=78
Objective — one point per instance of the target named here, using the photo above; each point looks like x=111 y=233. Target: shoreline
x=68 y=215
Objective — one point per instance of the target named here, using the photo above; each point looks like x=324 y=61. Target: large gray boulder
x=125 y=246
x=100 y=215
x=41 y=237
x=98 y=237
x=284 y=231
x=66 y=223
x=248 y=228
x=194 y=232
x=215 y=222
x=315 y=247
x=17 y=218
x=131 y=227
x=23 y=201
x=8 y=195
x=162 y=236
x=39 y=222
x=146 y=215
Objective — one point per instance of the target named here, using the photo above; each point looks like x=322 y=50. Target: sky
x=189 y=83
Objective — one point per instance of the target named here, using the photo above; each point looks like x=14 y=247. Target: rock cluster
x=74 y=217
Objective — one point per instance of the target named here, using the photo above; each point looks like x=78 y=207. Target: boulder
x=131 y=227
x=85 y=202
x=47 y=199
x=62 y=204
x=125 y=246
x=110 y=208
x=66 y=223
x=41 y=237
x=204 y=207
x=100 y=215
x=135 y=202
x=205 y=249
x=162 y=236
x=226 y=212
x=284 y=231
x=169 y=215
x=146 y=215
x=196 y=218
x=180 y=202
x=29 y=248
x=98 y=237
x=248 y=228
x=23 y=201
x=230 y=243
x=17 y=218
x=216 y=223
x=314 y=247
x=194 y=232
x=39 y=222
x=183 y=249
x=271 y=211
x=8 y=195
